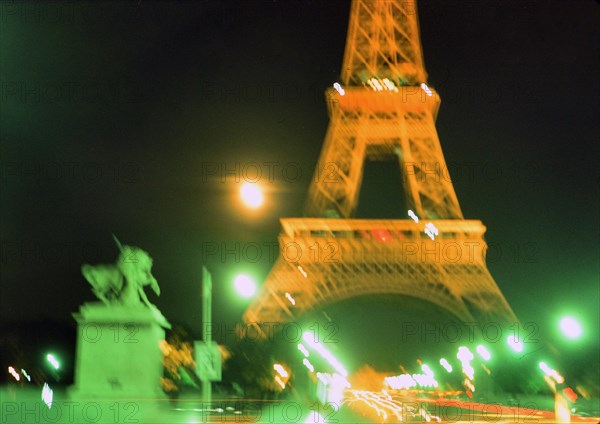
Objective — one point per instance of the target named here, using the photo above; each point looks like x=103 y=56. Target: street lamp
x=55 y=364
x=570 y=327
x=484 y=353
x=245 y=285
x=514 y=343
x=251 y=195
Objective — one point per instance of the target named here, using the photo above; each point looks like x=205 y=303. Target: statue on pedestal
x=118 y=342
x=123 y=282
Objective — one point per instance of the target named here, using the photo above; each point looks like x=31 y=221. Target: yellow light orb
x=251 y=195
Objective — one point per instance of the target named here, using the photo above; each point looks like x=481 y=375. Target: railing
x=369 y=228
x=328 y=241
x=412 y=98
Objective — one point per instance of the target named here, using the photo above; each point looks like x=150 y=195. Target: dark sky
x=111 y=111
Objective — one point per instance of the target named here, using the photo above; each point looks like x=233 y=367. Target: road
x=25 y=405
x=384 y=407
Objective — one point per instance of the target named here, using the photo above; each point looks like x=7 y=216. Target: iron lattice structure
x=382 y=109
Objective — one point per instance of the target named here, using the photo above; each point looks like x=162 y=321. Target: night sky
x=112 y=111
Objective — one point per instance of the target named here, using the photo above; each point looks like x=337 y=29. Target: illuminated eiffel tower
x=382 y=108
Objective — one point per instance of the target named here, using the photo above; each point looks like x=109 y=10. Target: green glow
x=544 y=367
x=464 y=354
x=302 y=349
x=514 y=343
x=27 y=376
x=245 y=285
x=570 y=328
x=427 y=370
x=483 y=352
x=50 y=357
x=310 y=339
x=551 y=373
x=444 y=363
x=308 y=365
x=314 y=417
x=47 y=395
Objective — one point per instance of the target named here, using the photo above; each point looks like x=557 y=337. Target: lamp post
x=207 y=332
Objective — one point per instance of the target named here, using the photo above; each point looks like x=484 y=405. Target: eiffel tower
x=381 y=109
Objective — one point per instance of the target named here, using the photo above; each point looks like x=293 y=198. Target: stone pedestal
x=118 y=354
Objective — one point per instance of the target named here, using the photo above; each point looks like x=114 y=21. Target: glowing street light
x=50 y=357
x=483 y=352
x=251 y=195
x=310 y=339
x=14 y=373
x=47 y=395
x=281 y=370
x=27 y=376
x=444 y=363
x=544 y=367
x=551 y=373
x=514 y=343
x=245 y=285
x=570 y=328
